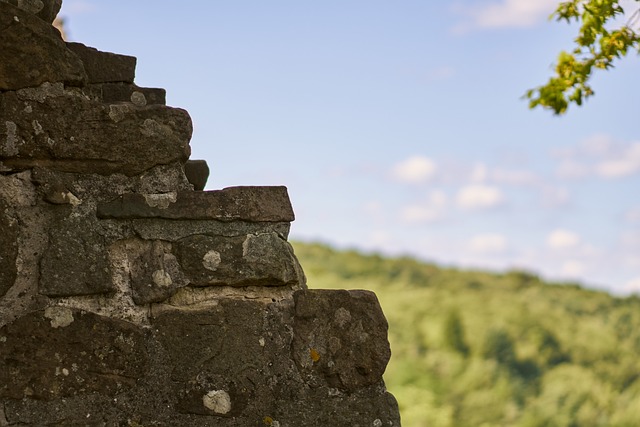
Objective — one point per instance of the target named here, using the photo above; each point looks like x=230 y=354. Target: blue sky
x=399 y=126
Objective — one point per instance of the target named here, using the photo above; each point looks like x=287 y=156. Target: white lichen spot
x=42 y=92
x=342 y=317
x=138 y=98
x=65 y=372
x=11 y=146
x=262 y=342
x=51 y=142
x=217 y=401
x=73 y=200
x=211 y=260
x=117 y=112
x=160 y=201
x=162 y=278
x=154 y=129
x=60 y=316
x=377 y=423
x=37 y=127
x=15 y=18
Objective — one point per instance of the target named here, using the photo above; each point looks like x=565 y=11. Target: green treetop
x=597 y=46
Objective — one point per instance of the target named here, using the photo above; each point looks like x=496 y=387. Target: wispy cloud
x=414 y=170
x=479 y=196
x=600 y=156
x=563 y=239
x=433 y=209
x=488 y=243
x=503 y=14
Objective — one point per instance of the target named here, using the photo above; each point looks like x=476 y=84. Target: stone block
x=104 y=67
x=155 y=272
x=76 y=260
x=52 y=127
x=251 y=260
x=197 y=172
x=111 y=93
x=340 y=338
x=43 y=9
x=60 y=352
x=8 y=248
x=32 y=52
x=253 y=204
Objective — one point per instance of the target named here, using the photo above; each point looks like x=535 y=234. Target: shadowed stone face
x=8 y=248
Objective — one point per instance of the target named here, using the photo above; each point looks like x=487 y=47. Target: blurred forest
x=474 y=348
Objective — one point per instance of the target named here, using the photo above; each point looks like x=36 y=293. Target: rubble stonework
x=129 y=296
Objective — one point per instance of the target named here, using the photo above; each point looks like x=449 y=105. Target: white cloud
x=432 y=210
x=562 y=239
x=489 y=243
x=479 y=196
x=479 y=173
x=504 y=14
x=573 y=269
x=633 y=285
x=599 y=156
x=414 y=170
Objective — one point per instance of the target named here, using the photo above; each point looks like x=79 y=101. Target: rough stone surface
x=155 y=272
x=44 y=9
x=76 y=261
x=129 y=299
x=197 y=172
x=32 y=52
x=111 y=93
x=250 y=260
x=340 y=338
x=258 y=204
x=8 y=248
x=104 y=67
x=59 y=352
x=59 y=129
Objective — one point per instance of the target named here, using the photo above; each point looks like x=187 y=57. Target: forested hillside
x=473 y=348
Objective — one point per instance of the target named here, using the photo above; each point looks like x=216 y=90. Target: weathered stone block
x=43 y=9
x=60 y=352
x=8 y=248
x=32 y=52
x=252 y=260
x=105 y=67
x=62 y=130
x=197 y=172
x=254 y=204
x=111 y=93
x=76 y=260
x=155 y=272
x=340 y=338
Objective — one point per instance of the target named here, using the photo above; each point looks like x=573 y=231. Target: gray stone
x=43 y=9
x=111 y=93
x=155 y=273
x=256 y=204
x=60 y=352
x=76 y=260
x=54 y=128
x=104 y=67
x=251 y=260
x=32 y=52
x=8 y=248
x=197 y=172
x=340 y=338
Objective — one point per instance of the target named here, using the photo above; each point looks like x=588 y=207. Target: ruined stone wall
x=128 y=296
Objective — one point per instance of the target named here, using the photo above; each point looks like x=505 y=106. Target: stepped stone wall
x=128 y=296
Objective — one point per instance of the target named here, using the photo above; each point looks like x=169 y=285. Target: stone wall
x=129 y=296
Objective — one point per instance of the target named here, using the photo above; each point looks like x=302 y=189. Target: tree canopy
x=598 y=44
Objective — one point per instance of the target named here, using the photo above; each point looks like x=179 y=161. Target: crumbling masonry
x=128 y=296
